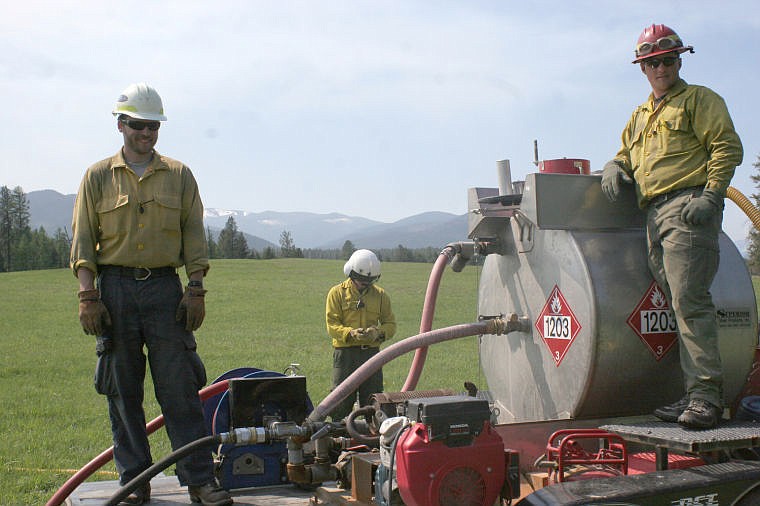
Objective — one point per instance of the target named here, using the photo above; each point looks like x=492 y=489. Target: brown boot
x=209 y=494
x=700 y=414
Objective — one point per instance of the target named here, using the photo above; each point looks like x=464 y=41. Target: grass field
x=264 y=314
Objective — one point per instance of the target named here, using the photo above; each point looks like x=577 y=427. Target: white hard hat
x=363 y=265
x=140 y=101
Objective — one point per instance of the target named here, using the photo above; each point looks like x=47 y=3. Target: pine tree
x=753 y=248
x=347 y=250
x=14 y=224
x=231 y=242
x=287 y=246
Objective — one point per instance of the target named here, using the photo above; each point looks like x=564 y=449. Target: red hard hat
x=656 y=40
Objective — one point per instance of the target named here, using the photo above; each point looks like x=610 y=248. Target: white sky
x=379 y=109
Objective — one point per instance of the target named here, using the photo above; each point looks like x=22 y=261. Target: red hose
x=426 y=322
x=85 y=472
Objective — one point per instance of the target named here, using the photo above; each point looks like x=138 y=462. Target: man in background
x=359 y=318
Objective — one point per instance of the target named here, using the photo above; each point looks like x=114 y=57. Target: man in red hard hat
x=680 y=151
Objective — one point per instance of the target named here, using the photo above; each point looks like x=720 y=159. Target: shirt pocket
x=675 y=135
x=112 y=215
x=169 y=212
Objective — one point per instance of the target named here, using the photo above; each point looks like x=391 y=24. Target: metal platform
x=166 y=490
x=664 y=437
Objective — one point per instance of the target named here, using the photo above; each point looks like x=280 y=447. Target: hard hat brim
x=678 y=50
x=137 y=115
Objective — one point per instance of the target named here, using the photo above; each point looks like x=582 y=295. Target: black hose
x=159 y=466
x=353 y=431
x=393 y=461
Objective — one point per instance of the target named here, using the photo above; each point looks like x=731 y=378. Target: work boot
x=700 y=414
x=671 y=412
x=209 y=494
x=139 y=496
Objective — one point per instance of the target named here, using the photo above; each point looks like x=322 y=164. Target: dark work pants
x=684 y=259
x=346 y=361
x=143 y=316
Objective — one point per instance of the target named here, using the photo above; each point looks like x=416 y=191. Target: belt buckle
x=144 y=277
x=365 y=347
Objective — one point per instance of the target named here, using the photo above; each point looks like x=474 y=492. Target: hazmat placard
x=655 y=322
x=557 y=325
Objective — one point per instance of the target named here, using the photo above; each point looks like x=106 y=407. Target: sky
x=378 y=109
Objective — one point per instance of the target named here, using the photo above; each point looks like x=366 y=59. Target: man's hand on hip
x=700 y=210
x=192 y=308
x=613 y=176
x=93 y=314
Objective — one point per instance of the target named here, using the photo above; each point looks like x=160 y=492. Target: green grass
x=264 y=314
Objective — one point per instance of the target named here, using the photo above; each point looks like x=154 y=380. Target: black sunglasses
x=141 y=125
x=668 y=61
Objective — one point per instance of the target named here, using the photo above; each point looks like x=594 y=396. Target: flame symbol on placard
x=658 y=299
x=556 y=305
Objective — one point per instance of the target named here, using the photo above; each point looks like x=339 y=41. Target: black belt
x=137 y=273
x=659 y=199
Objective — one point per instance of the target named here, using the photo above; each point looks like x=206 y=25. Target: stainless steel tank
x=602 y=340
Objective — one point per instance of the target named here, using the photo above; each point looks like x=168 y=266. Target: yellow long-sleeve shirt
x=343 y=312
x=151 y=221
x=687 y=140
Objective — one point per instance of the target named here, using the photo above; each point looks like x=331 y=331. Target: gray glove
x=612 y=175
x=701 y=209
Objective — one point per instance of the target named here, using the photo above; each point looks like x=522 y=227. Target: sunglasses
x=141 y=125
x=668 y=61
x=663 y=44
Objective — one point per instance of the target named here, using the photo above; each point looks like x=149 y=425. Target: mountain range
x=52 y=210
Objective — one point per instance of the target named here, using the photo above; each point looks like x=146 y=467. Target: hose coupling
x=499 y=325
x=245 y=435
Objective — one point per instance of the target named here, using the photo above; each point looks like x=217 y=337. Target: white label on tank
x=657 y=321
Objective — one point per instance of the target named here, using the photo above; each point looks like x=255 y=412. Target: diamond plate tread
x=728 y=435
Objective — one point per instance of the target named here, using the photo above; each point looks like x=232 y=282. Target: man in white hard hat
x=138 y=217
x=680 y=150
x=359 y=318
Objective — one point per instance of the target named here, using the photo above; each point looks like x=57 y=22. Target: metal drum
x=602 y=341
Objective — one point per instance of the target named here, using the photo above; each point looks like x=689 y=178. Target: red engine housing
x=432 y=473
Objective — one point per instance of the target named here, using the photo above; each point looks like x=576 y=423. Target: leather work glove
x=374 y=335
x=192 y=308
x=612 y=176
x=93 y=314
x=361 y=336
x=701 y=209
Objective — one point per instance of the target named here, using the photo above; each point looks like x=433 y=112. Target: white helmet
x=363 y=265
x=140 y=101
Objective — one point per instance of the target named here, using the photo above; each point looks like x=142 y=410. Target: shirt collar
x=157 y=163
x=678 y=88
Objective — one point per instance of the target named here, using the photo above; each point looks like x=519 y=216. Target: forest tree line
x=23 y=248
